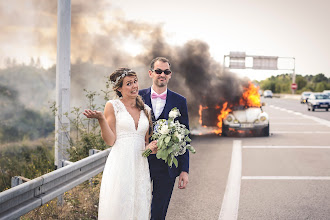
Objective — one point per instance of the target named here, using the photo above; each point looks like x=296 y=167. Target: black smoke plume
x=97 y=49
x=197 y=76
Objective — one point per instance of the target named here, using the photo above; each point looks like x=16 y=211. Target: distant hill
x=33 y=86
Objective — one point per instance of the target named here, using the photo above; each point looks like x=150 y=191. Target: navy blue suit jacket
x=172 y=100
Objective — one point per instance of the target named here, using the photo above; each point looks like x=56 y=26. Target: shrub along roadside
x=282 y=83
x=20 y=159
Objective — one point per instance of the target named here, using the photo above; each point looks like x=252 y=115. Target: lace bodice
x=125 y=125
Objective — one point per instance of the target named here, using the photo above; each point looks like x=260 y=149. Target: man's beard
x=161 y=84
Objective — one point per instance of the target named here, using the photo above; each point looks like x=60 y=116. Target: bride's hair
x=117 y=79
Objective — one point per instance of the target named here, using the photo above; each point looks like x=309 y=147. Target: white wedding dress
x=126 y=186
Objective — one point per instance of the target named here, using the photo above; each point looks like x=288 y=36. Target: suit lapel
x=147 y=99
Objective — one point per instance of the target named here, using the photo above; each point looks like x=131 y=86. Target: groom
x=161 y=100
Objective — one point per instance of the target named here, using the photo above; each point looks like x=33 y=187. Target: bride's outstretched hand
x=93 y=114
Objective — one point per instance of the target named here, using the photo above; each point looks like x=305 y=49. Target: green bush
x=27 y=161
x=282 y=83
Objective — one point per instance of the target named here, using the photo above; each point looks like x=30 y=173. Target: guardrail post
x=93 y=151
x=65 y=163
x=17 y=180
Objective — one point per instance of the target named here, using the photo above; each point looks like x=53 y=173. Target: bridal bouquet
x=172 y=138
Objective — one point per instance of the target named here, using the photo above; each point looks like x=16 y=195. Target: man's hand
x=183 y=180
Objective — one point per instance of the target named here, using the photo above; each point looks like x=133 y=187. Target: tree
x=319 y=78
x=321 y=86
x=301 y=81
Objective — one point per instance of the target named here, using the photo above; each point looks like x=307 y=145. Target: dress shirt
x=158 y=104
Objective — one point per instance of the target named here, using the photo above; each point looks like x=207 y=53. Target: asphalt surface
x=283 y=176
x=295 y=105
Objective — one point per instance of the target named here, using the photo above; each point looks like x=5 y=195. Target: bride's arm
x=107 y=123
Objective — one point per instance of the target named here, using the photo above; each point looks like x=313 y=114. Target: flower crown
x=125 y=73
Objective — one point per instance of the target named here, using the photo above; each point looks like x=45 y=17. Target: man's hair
x=162 y=59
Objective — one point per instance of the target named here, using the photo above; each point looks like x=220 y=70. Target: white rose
x=179 y=136
x=164 y=129
x=174 y=113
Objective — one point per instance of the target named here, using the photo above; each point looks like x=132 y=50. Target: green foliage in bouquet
x=172 y=139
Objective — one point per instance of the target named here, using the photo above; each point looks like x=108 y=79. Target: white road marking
x=230 y=203
x=284 y=118
x=318 y=120
x=285 y=177
x=287 y=147
x=300 y=132
x=285 y=123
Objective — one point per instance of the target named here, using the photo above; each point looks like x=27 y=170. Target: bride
x=126 y=186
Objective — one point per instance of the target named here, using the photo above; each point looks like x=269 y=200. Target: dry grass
x=29 y=143
x=79 y=203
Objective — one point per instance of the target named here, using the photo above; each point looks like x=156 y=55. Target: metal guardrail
x=27 y=196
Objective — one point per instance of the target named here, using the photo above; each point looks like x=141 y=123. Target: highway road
x=283 y=176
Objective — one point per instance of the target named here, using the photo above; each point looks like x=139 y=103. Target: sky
x=283 y=28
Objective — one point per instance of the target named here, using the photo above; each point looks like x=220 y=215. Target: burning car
x=245 y=117
x=253 y=120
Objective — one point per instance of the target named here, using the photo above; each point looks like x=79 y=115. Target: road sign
x=294 y=86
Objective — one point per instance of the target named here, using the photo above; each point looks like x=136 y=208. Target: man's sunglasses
x=166 y=72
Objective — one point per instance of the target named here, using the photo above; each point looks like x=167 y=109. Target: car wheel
x=313 y=109
x=327 y=109
x=265 y=131
x=225 y=130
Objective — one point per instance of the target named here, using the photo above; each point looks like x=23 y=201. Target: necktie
x=155 y=96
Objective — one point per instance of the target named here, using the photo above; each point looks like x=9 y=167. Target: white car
x=252 y=119
x=318 y=100
x=327 y=92
x=304 y=97
x=268 y=94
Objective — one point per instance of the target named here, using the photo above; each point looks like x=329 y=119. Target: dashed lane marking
x=318 y=120
x=289 y=147
x=300 y=132
x=285 y=177
x=286 y=123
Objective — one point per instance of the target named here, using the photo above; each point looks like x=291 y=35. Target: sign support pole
x=62 y=123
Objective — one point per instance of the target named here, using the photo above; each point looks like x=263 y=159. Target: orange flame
x=200 y=111
x=224 y=112
x=200 y=114
x=251 y=96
